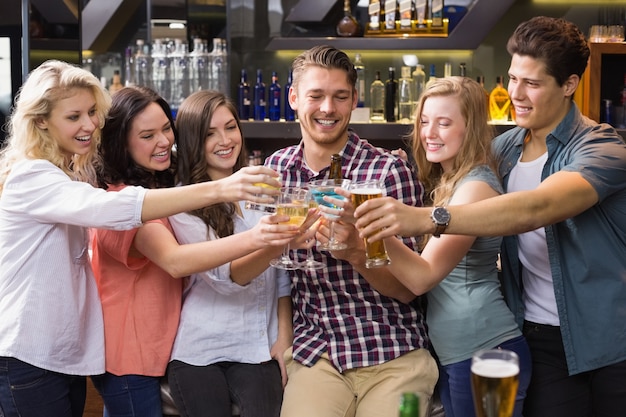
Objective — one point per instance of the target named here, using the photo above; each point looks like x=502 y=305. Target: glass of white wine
x=293 y=202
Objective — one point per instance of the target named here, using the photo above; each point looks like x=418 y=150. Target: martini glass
x=293 y=202
x=320 y=189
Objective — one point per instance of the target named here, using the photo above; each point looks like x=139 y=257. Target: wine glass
x=495 y=378
x=320 y=189
x=293 y=202
x=310 y=262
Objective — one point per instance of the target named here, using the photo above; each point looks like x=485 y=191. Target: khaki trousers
x=374 y=391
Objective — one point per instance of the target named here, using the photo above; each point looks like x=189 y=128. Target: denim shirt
x=587 y=252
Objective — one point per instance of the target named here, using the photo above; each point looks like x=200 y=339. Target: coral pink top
x=141 y=304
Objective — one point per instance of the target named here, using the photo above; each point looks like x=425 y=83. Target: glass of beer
x=376 y=254
x=267 y=208
x=495 y=377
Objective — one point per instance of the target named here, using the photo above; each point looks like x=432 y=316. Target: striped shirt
x=335 y=309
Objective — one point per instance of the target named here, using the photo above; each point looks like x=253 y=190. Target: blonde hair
x=46 y=85
x=476 y=147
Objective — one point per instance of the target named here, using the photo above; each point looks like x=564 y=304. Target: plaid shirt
x=335 y=308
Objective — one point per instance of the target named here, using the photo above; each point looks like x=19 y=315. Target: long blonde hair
x=476 y=147
x=46 y=85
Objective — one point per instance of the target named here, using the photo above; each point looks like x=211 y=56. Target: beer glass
x=293 y=202
x=495 y=377
x=376 y=254
x=320 y=189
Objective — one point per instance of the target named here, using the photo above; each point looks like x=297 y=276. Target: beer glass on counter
x=495 y=377
x=376 y=254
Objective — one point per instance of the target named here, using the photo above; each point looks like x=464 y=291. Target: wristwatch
x=441 y=217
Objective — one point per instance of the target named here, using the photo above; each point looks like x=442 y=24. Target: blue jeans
x=28 y=391
x=455 y=379
x=129 y=395
x=211 y=390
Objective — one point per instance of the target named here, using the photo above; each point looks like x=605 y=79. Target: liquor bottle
x=405 y=96
x=179 y=71
x=375 y=11
x=348 y=26
x=274 y=98
x=391 y=96
x=391 y=7
x=419 y=82
x=377 y=98
x=447 y=69
x=243 y=96
x=219 y=66
x=436 y=14
x=622 y=98
x=116 y=84
x=409 y=405
x=259 y=96
x=141 y=62
x=406 y=9
x=462 y=69
x=499 y=102
x=199 y=67
x=334 y=172
x=129 y=70
x=421 y=14
x=481 y=80
x=433 y=74
x=161 y=77
x=360 y=80
x=290 y=114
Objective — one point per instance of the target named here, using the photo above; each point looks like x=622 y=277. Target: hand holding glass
x=293 y=202
x=495 y=378
x=320 y=189
x=376 y=254
x=267 y=208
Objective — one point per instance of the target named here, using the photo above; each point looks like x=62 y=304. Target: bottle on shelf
x=481 y=80
x=274 y=98
x=406 y=9
x=409 y=405
x=419 y=81
x=499 y=102
x=436 y=14
x=391 y=6
x=462 y=69
x=621 y=119
x=259 y=96
x=160 y=63
x=199 y=66
x=421 y=14
x=447 y=69
x=405 y=96
x=376 y=15
x=290 y=114
x=116 y=83
x=129 y=70
x=377 y=100
x=179 y=71
x=391 y=96
x=433 y=74
x=141 y=65
x=360 y=80
x=243 y=96
x=219 y=66
x=348 y=26
x=334 y=172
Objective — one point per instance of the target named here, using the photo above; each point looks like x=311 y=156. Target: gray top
x=466 y=311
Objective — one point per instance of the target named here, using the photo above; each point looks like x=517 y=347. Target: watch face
x=441 y=215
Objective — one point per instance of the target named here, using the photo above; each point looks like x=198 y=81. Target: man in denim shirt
x=564 y=218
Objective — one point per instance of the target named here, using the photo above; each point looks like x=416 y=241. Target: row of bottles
x=256 y=102
x=175 y=72
x=406 y=17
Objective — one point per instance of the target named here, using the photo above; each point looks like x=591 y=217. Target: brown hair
x=323 y=56
x=193 y=122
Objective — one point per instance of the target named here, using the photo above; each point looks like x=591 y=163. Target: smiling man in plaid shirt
x=359 y=335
